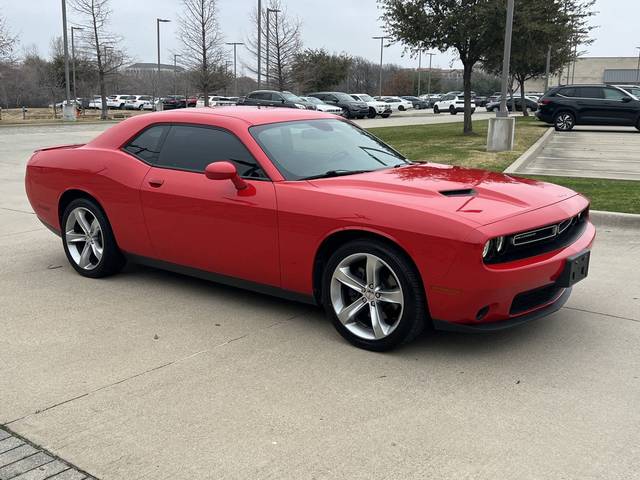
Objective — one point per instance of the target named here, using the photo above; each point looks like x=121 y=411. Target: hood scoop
x=461 y=192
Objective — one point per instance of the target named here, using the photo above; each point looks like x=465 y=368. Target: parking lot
x=153 y=375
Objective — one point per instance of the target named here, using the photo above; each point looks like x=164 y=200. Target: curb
x=61 y=123
x=532 y=152
x=614 y=219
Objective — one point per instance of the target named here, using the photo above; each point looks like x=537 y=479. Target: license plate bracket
x=575 y=269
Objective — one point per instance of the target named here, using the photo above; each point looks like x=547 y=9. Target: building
x=144 y=68
x=622 y=70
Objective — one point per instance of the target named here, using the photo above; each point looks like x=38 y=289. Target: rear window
x=146 y=146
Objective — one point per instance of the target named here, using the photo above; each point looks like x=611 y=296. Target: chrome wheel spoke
x=94 y=229
x=390 y=296
x=73 y=237
x=347 y=314
x=373 y=265
x=85 y=256
x=379 y=329
x=97 y=250
x=82 y=221
x=344 y=276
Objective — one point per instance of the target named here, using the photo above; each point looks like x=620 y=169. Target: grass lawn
x=445 y=143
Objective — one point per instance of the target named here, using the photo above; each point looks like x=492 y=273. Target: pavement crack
x=602 y=313
x=150 y=370
x=16 y=210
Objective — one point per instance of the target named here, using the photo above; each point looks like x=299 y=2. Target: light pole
x=382 y=39
x=269 y=11
x=73 y=61
x=226 y=74
x=175 y=73
x=547 y=70
x=158 y=22
x=638 y=69
x=502 y=127
x=259 y=45
x=235 y=65
x=431 y=55
x=68 y=110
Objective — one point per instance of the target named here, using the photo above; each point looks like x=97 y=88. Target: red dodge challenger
x=309 y=206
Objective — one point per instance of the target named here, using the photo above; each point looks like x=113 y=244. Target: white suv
x=138 y=102
x=215 y=100
x=118 y=101
x=376 y=107
x=452 y=103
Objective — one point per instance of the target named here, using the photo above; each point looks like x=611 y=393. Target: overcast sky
x=337 y=25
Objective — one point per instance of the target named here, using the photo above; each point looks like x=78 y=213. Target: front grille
x=534 y=298
x=541 y=240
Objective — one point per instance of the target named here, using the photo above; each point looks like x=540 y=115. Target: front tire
x=564 y=122
x=401 y=108
x=373 y=295
x=385 y=115
x=372 y=113
x=88 y=240
x=436 y=110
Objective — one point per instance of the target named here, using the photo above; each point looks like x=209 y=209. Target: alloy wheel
x=366 y=296
x=84 y=238
x=564 y=121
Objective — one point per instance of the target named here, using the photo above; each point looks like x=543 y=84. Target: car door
x=208 y=224
x=590 y=105
x=617 y=110
x=277 y=100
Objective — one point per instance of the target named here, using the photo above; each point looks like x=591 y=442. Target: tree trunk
x=466 y=76
x=525 y=112
x=103 y=96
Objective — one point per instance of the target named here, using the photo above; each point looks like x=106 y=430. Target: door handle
x=156 y=182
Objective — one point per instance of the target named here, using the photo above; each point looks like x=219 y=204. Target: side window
x=193 y=148
x=567 y=92
x=146 y=146
x=276 y=97
x=590 y=92
x=613 y=94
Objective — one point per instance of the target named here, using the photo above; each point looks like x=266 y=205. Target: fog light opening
x=482 y=313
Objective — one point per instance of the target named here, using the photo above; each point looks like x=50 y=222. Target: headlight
x=487 y=249
x=500 y=244
x=299 y=105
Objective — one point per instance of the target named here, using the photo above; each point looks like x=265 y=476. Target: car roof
x=248 y=114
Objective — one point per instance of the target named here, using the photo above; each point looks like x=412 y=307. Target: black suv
x=571 y=105
x=273 y=98
x=351 y=108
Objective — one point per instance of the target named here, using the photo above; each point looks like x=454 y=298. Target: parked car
x=78 y=102
x=376 y=107
x=494 y=97
x=418 y=103
x=397 y=103
x=273 y=98
x=139 y=102
x=351 y=108
x=432 y=99
x=532 y=105
x=95 y=102
x=171 y=102
x=480 y=101
x=306 y=205
x=215 y=101
x=632 y=89
x=571 y=105
x=118 y=101
x=452 y=103
x=323 y=107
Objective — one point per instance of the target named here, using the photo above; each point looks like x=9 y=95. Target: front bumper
x=474 y=294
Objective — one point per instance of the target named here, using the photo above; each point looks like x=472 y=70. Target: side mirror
x=626 y=99
x=282 y=100
x=225 y=170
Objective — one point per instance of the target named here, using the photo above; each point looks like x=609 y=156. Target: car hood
x=377 y=103
x=476 y=196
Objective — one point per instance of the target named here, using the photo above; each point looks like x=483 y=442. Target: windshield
x=632 y=90
x=309 y=148
x=343 y=97
x=315 y=100
x=366 y=98
x=291 y=97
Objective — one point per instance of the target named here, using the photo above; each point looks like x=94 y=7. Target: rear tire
x=385 y=115
x=401 y=108
x=393 y=294
x=88 y=240
x=452 y=110
x=564 y=122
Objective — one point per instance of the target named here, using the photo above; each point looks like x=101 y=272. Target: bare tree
x=7 y=39
x=202 y=45
x=101 y=44
x=284 y=34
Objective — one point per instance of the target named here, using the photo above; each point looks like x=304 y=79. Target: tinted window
x=567 y=92
x=613 y=94
x=590 y=92
x=146 y=146
x=193 y=148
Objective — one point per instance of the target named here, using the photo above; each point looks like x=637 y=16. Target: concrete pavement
x=152 y=375
x=591 y=152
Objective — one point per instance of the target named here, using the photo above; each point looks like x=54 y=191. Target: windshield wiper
x=335 y=173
